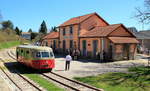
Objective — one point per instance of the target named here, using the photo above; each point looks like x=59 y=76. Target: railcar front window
x=45 y=54
x=38 y=54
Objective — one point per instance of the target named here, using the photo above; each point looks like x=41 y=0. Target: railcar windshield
x=44 y=54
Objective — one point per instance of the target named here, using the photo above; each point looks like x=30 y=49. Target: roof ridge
x=76 y=20
x=84 y=15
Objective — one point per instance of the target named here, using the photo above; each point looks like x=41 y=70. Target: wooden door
x=126 y=51
x=84 y=47
x=95 y=47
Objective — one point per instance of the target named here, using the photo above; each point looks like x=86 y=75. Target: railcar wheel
x=50 y=70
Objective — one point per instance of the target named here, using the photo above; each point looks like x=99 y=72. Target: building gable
x=92 y=22
x=80 y=19
x=121 y=31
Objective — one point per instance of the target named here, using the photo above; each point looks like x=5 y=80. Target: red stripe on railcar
x=43 y=64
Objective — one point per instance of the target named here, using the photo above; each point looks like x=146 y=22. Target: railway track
x=17 y=87
x=20 y=82
x=69 y=83
x=66 y=82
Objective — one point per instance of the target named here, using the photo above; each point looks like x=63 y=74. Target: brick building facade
x=51 y=40
x=93 y=37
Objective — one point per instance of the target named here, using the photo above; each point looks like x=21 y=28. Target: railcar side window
x=27 y=52
x=45 y=54
x=38 y=54
x=21 y=51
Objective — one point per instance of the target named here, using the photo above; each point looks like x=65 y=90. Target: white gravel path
x=81 y=69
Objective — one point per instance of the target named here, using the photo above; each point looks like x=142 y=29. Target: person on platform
x=68 y=60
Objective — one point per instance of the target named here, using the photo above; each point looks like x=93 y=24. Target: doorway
x=126 y=51
x=95 y=47
x=64 y=45
x=110 y=51
x=84 y=47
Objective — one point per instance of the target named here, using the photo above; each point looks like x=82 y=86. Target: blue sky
x=30 y=13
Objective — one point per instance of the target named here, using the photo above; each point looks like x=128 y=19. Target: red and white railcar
x=37 y=57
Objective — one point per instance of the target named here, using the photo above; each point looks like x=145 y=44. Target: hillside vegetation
x=8 y=38
x=8 y=35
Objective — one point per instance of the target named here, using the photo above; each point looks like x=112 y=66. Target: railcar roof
x=35 y=47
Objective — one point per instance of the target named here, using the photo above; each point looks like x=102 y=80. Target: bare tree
x=144 y=15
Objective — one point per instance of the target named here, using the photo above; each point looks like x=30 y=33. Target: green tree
x=33 y=35
x=18 y=32
x=43 y=28
x=7 y=24
x=30 y=30
x=39 y=37
x=53 y=29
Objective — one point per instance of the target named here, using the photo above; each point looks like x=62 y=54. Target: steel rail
x=80 y=83
x=9 y=76
x=73 y=88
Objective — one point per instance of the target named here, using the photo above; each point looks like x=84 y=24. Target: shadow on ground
x=16 y=67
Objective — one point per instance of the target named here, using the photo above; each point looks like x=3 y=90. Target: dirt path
x=90 y=68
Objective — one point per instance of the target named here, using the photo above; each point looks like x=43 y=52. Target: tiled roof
x=51 y=35
x=140 y=34
x=100 y=31
x=79 y=19
x=123 y=40
x=76 y=20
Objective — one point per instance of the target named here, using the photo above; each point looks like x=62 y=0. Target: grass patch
x=43 y=82
x=9 y=44
x=137 y=80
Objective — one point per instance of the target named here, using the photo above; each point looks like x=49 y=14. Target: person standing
x=68 y=59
